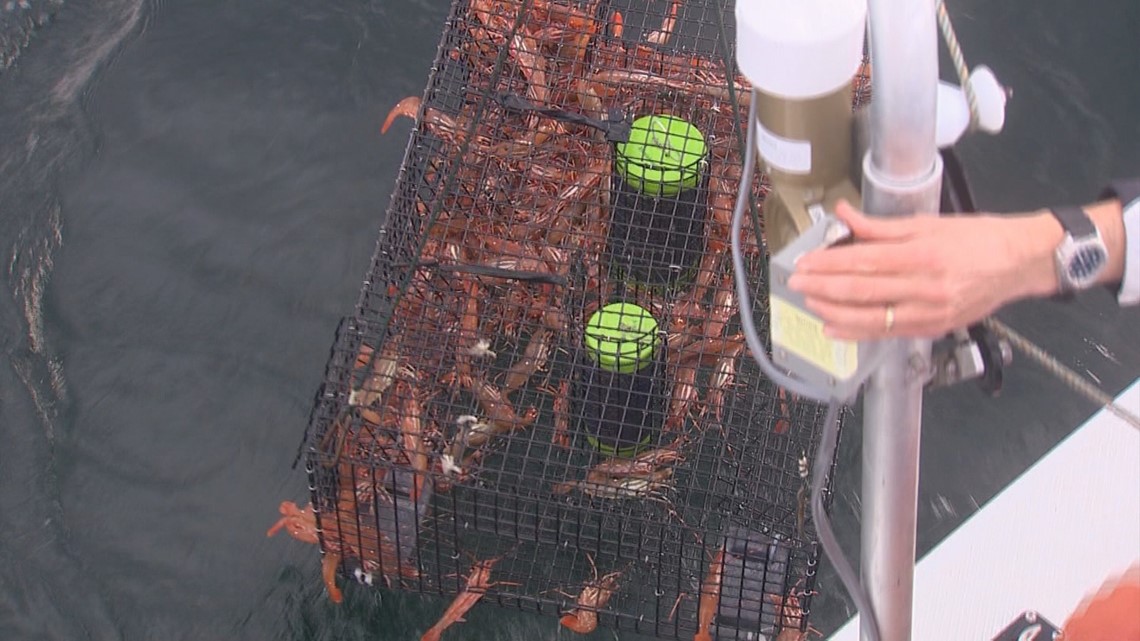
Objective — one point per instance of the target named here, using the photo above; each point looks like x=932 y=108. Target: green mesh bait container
x=659 y=200
x=621 y=378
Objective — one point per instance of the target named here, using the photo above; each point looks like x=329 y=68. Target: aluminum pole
x=902 y=175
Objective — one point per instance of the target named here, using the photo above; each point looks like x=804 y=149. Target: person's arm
x=1038 y=234
x=927 y=275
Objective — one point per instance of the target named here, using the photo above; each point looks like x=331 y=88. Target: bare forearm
x=1034 y=237
x=927 y=275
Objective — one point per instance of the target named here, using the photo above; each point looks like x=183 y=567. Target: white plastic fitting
x=953 y=111
x=800 y=49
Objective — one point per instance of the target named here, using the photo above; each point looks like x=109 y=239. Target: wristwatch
x=1082 y=255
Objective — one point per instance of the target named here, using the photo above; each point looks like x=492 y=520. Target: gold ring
x=890 y=316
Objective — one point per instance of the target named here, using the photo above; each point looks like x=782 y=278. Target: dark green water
x=189 y=198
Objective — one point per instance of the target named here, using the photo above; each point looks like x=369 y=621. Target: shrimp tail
x=408 y=107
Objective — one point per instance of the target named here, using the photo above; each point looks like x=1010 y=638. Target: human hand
x=1112 y=613
x=934 y=273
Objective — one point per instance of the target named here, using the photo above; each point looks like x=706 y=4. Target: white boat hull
x=1044 y=543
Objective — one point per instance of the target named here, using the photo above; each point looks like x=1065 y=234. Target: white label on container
x=784 y=154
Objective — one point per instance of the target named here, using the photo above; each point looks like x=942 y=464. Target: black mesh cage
x=544 y=375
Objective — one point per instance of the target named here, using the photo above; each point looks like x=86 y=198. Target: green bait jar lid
x=663 y=155
x=628 y=451
x=622 y=337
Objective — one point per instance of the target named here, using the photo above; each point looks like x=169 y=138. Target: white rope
x=959 y=62
x=1067 y=376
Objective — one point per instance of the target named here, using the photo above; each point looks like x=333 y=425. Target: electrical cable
x=740 y=274
x=829 y=440
x=828 y=443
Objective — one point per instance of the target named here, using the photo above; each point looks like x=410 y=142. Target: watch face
x=1086 y=263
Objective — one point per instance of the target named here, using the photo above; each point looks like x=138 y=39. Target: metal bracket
x=973 y=353
x=1030 y=626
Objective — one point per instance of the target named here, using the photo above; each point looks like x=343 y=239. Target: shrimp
x=501 y=415
x=661 y=36
x=532 y=65
x=477 y=584
x=411 y=427
x=722 y=309
x=410 y=106
x=525 y=145
x=722 y=200
x=645 y=79
x=710 y=597
x=603 y=487
x=561 y=408
x=382 y=374
x=784 y=419
x=301 y=524
x=790 y=610
x=684 y=394
x=709 y=269
x=704 y=351
x=534 y=357
x=722 y=376
x=468 y=335
x=583 y=619
x=644 y=464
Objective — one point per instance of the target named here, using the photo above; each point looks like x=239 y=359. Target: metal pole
x=902 y=175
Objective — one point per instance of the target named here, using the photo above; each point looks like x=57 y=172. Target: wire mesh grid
x=545 y=368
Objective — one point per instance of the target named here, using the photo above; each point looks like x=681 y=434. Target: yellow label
x=802 y=334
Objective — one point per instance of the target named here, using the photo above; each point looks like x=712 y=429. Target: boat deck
x=1050 y=538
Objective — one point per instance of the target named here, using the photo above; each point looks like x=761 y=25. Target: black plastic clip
x=1030 y=626
x=488 y=271
x=616 y=127
x=993 y=361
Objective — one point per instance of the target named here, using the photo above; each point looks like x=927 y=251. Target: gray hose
x=827 y=445
x=830 y=437
x=740 y=274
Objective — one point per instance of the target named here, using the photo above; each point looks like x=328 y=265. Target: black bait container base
x=659 y=201
x=620 y=379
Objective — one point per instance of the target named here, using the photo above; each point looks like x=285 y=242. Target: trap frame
x=465 y=398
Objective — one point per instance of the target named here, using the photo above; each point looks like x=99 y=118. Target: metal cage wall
x=545 y=367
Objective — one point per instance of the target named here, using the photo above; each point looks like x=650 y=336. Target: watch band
x=1075 y=221
x=1077 y=224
